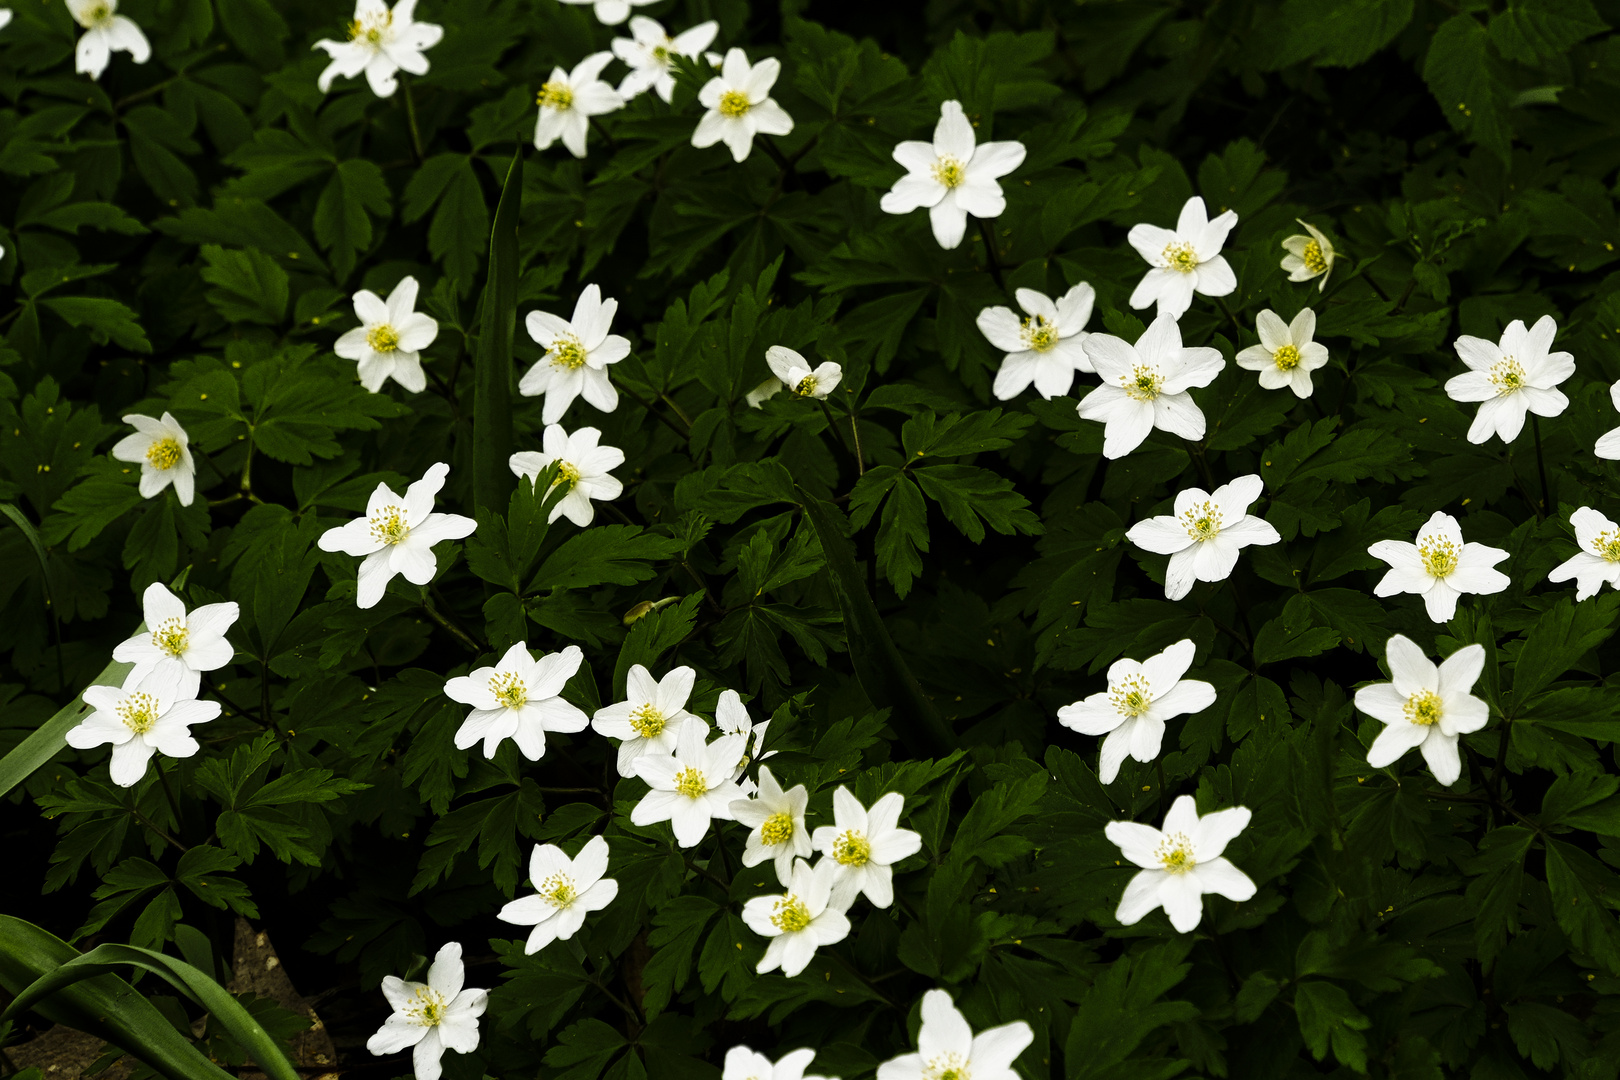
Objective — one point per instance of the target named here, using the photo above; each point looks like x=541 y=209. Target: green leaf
x=1470 y=96
x=462 y=218
x=972 y=498
x=1327 y=1019
x=1583 y=891
x=492 y=395
x=1293 y=634
x=1558 y=640
x=1124 y=1006
x=1537 y=32
x=343 y=213
x=653 y=635
x=249 y=286
x=605 y=554
x=106 y=320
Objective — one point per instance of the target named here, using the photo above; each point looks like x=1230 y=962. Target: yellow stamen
x=852 y=849
x=568 y=352
x=734 y=103
x=1132 y=697
x=1314 y=260
x=1607 y=544
x=949 y=172
x=1507 y=375
x=791 y=915
x=1423 y=708
x=778 y=829
x=164 y=454
x=1176 y=853
x=427 y=1008
x=691 y=783
x=139 y=712
x=1040 y=335
x=1143 y=383
x=509 y=690
x=171 y=636
x=388 y=525
x=558 y=891
x=1439 y=556
x=383 y=339
x=806 y=386
x=1180 y=257
x=647 y=721
x=556 y=95
x=1202 y=521
x=1286 y=358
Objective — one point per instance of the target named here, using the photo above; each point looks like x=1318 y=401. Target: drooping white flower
x=5 y=20
x=568 y=100
x=518 y=699
x=178 y=646
x=1046 y=348
x=163 y=450
x=776 y=820
x=1511 y=377
x=139 y=719
x=397 y=535
x=1598 y=561
x=105 y=32
x=1180 y=864
x=1139 y=699
x=578 y=352
x=864 y=845
x=389 y=341
x=612 y=12
x=584 y=468
x=790 y=369
x=1286 y=355
x=566 y=890
x=947 y=1047
x=1425 y=706
x=381 y=43
x=431 y=1017
x=653 y=716
x=650 y=52
x=690 y=789
x=745 y=1064
x=1144 y=386
x=1440 y=567
x=1184 y=260
x=799 y=921
x=1205 y=534
x=731 y=718
x=740 y=106
x=952 y=176
x=1308 y=256
x=1608 y=444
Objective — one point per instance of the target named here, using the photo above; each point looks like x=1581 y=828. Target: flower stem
x=653 y=412
x=990 y=252
x=855 y=431
x=838 y=433
x=455 y=631
x=410 y=118
x=168 y=792
x=1547 y=506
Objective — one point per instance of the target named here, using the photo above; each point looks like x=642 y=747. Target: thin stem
x=1405 y=296
x=168 y=792
x=774 y=153
x=724 y=887
x=266 y=716
x=676 y=409
x=1500 y=763
x=1158 y=763
x=1203 y=467
x=843 y=443
x=870 y=985
x=1236 y=327
x=990 y=252
x=410 y=118
x=855 y=430
x=146 y=821
x=653 y=412
x=455 y=631
x=1541 y=467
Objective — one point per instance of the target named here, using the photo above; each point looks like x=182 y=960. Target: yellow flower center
x=139 y=712
x=164 y=454
x=1180 y=257
x=373 y=30
x=1143 y=383
x=1176 y=853
x=388 y=525
x=1132 y=696
x=691 y=783
x=568 y=352
x=790 y=915
x=96 y=16
x=661 y=53
x=1286 y=358
x=1423 y=708
x=567 y=475
x=949 y=172
x=1507 y=375
x=806 y=386
x=171 y=636
x=509 y=690
x=1039 y=334
x=734 y=103
x=647 y=720
x=1607 y=544
x=556 y=95
x=947 y=1066
x=426 y=1008
x=1315 y=261
x=777 y=829
x=1203 y=521
x=852 y=849
x=383 y=339
x=1439 y=556
x=558 y=891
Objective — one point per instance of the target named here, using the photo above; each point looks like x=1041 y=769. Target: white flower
x=1205 y=534
x=799 y=921
x=1139 y=699
x=745 y=1064
x=740 y=106
x=518 y=699
x=1286 y=355
x=1046 y=348
x=569 y=100
x=566 y=891
x=1184 y=260
x=1439 y=567
x=1427 y=707
x=1608 y=444
x=163 y=450
x=105 y=32
x=1597 y=562
x=652 y=718
x=178 y=646
x=690 y=789
x=952 y=176
x=794 y=372
x=651 y=53
x=864 y=845
x=397 y=535
x=1516 y=376
x=5 y=20
x=1144 y=386
x=139 y=719
x=612 y=12
x=731 y=717
x=947 y=1047
x=1308 y=256
x=1181 y=863
x=584 y=469
x=431 y=1016
x=381 y=43
x=776 y=818
x=389 y=341
x=578 y=353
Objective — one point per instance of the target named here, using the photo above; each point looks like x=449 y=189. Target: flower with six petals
x=566 y=890
x=382 y=42
x=397 y=536
x=1139 y=699
x=1425 y=706
x=569 y=99
x=1180 y=863
x=799 y=921
x=431 y=1017
x=1511 y=377
x=1183 y=260
x=578 y=352
x=650 y=53
x=177 y=646
x=691 y=788
x=520 y=698
x=1145 y=386
x=583 y=465
x=775 y=819
x=1205 y=533
x=1046 y=347
x=864 y=845
x=389 y=341
x=1598 y=560
x=139 y=719
x=740 y=105
x=163 y=450
x=1439 y=567
x=947 y=1047
x=652 y=717
x=1286 y=355
x=953 y=176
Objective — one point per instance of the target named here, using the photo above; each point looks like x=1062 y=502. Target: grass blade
x=492 y=392
x=46 y=741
